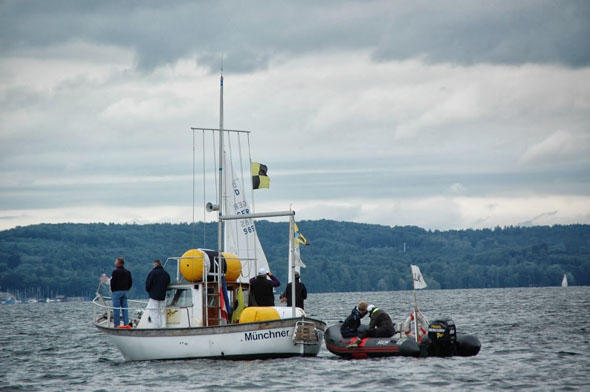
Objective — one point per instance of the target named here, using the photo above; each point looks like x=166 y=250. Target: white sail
x=564 y=281
x=240 y=236
x=417 y=278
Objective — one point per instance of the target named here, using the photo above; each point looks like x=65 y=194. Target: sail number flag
x=259 y=177
x=417 y=277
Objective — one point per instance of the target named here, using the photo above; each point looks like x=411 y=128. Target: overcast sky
x=444 y=115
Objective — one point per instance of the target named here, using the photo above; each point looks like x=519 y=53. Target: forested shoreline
x=343 y=256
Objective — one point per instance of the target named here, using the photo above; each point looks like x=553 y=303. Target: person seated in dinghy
x=350 y=326
x=381 y=325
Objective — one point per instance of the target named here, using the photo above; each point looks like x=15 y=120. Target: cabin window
x=180 y=298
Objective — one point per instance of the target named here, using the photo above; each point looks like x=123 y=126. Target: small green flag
x=259 y=177
x=241 y=305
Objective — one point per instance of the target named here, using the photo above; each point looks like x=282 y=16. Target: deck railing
x=103 y=310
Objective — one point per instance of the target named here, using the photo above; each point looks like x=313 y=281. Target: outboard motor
x=442 y=336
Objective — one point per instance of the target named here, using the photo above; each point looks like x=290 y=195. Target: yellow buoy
x=259 y=313
x=191 y=264
x=234 y=266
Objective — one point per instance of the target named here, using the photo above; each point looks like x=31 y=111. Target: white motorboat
x=180 y=338
x=196 y=320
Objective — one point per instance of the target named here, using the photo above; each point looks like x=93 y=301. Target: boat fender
x=467 y=345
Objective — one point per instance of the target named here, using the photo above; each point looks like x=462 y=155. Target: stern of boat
x=309 y=335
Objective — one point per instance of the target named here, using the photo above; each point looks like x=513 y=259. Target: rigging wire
x=253 y=205
x=215 y=167
x=193 y=222
x=204 y=190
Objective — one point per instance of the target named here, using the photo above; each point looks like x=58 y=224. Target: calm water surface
x=532 y=339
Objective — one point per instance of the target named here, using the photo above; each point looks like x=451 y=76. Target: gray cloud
x=532 y=221
x=388 y=112
x=251 y=34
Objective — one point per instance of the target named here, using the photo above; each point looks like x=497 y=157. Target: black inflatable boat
x=442 y=340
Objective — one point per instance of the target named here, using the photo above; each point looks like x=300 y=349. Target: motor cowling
x=442 y=336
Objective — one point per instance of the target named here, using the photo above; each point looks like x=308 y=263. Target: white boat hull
x=235 y=341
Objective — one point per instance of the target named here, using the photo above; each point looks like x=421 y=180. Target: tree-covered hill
x=68 y=258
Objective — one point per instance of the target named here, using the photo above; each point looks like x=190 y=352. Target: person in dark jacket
x=381 y=325
x=121 y=282
x=349 y=327
x=156 y=283
x=261 y=288
x=300 y=293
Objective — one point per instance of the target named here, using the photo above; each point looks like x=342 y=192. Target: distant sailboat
x=564 y=281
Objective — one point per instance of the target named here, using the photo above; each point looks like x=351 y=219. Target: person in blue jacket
x=349 y=327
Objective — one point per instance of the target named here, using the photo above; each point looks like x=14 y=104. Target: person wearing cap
x=156 y=284
x=121 y=282
x=349 y=327
x=261 y=288
x=300 y=293
x=381 y=325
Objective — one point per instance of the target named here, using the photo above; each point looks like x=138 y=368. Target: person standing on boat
x=381 y=325
x=261 y=288
x=300 y=293
x=350 y=326
x=156 y=283
x=121 y=282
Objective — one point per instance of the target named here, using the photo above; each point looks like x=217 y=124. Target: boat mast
x=292 y=263
x=221 y=173
x=220 y=197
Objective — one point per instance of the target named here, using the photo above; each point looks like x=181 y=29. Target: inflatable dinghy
x=441 y=341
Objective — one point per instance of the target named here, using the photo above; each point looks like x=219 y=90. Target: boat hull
x=369 y=347
x=268 y=339
x=465 y=346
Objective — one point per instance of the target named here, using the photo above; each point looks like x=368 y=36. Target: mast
x=292 y=264
x=221 y=173
x=220 y=197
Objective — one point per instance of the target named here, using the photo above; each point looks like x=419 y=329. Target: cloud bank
x=450 y=115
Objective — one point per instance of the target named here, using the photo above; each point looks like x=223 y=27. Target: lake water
x=532 y=339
